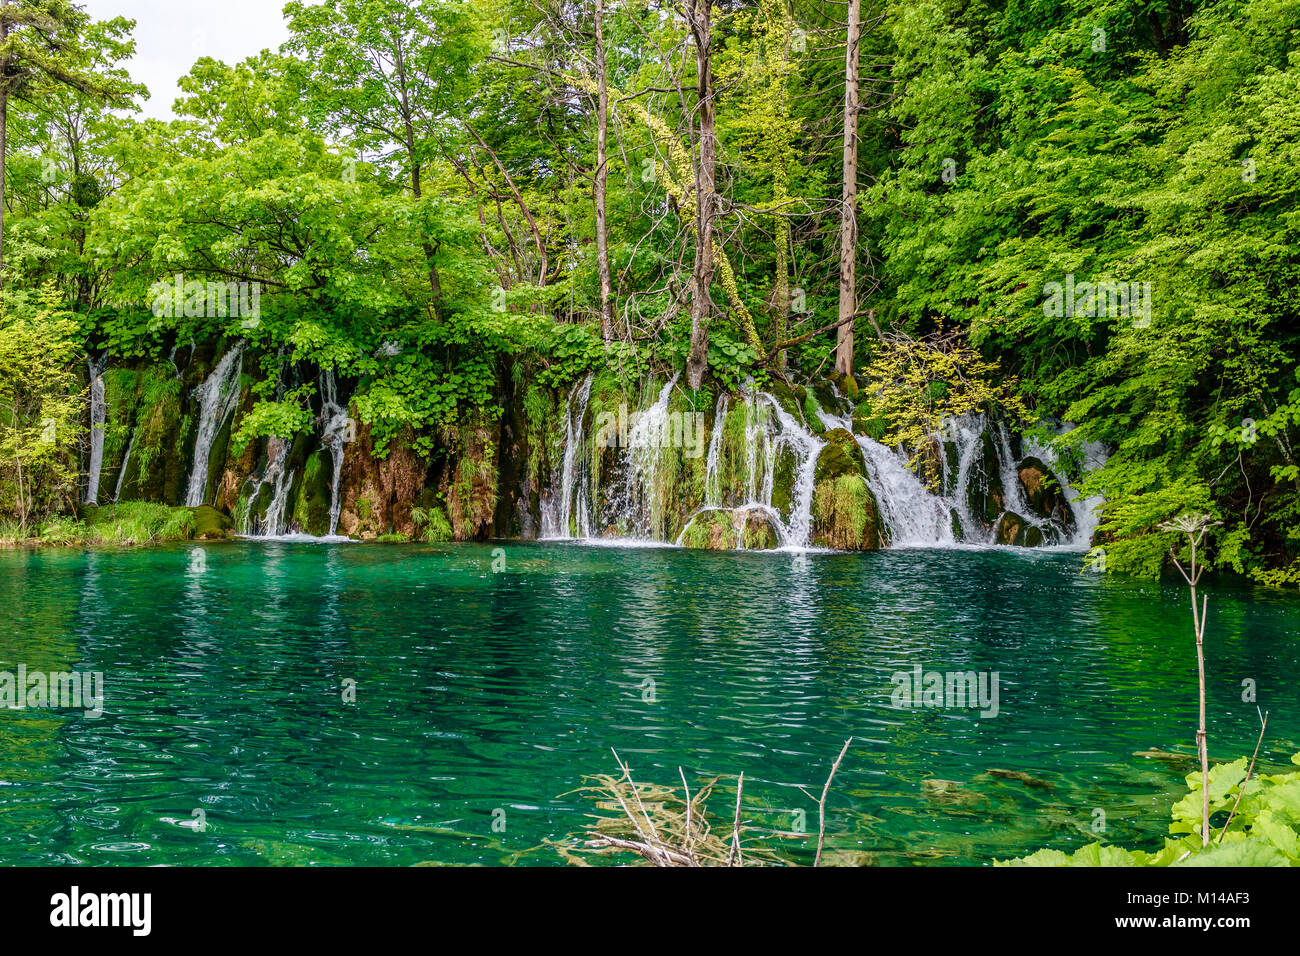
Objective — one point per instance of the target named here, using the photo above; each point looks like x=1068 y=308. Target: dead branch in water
x=666 y=827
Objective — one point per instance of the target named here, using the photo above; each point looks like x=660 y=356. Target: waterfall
x=334 y=418
x=557 y=513
x=759 y=475
x=769 y=432
x=276 y=521
x=916 y=516
x=216 y=397
x=964 y=434
x=98 y=418
x=712 y=480
x=1087 y=511
x=640 y=506
x=281 y=479
x=806 y=447
x=126 y=460
x=910 y=513
x=966 y=458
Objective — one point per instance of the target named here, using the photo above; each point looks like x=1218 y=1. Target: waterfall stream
x=216 y=398
x=557 y=512
x=98 y=419
x=967 y=466
x=712 y=480
x=334 y=418
x=126 y=460
x=280 y=478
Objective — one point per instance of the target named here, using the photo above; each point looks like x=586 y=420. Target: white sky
x=171 y=34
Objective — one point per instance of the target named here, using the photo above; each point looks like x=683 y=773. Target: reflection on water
x=479 y=692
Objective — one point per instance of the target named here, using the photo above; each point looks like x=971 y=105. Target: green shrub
x=1264 y=830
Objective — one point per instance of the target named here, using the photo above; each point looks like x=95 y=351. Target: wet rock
x=840 y=456
x=1043 y=492
x=724 y=529
x=1021 y=777
x=985 y=496
x=949 y=791
x=849 y=858
x=845 y=515
x=311 y=507
x=210 y=524
x=1012 y=529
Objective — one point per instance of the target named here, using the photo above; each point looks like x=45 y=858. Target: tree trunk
x=705 y=198
x=602 y=158
x=848 y=208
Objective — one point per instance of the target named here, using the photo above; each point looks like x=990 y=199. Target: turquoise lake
x=489 y=682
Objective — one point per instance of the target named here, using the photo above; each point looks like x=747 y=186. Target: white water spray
x=217 y=397
x=98 y=419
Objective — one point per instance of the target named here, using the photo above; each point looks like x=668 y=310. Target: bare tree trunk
x=602 y=158
x=848 y=208
x=705 y=196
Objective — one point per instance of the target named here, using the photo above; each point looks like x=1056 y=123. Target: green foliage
x=432 y=524
x=41 y=399
x=410 y=185
x=127 y=523
x=1264 y=828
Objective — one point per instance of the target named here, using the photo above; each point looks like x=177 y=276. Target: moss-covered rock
x=783 y=480
x=790 y=403
x=725 y=529
x=841 y=455
x=311 y=506
x=211 y=524
x=1012 y=529
x=1044 y=494
x=846 y=384
x=985 y=496
x=845 y=515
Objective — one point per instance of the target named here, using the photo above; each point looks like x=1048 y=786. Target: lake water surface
x=482 y=697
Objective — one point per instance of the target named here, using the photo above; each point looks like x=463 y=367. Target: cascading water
x=712 y=480
x=1087 y=511
x=557 y=512
x=334 y=434
x=639 y=505
x=975 y=478
x=121 y=474
x=273 y=522
x=911 y=514
x=916 y=516
x=98 y=418
x=216 y=398
x=806 y=447
x=770 y=433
